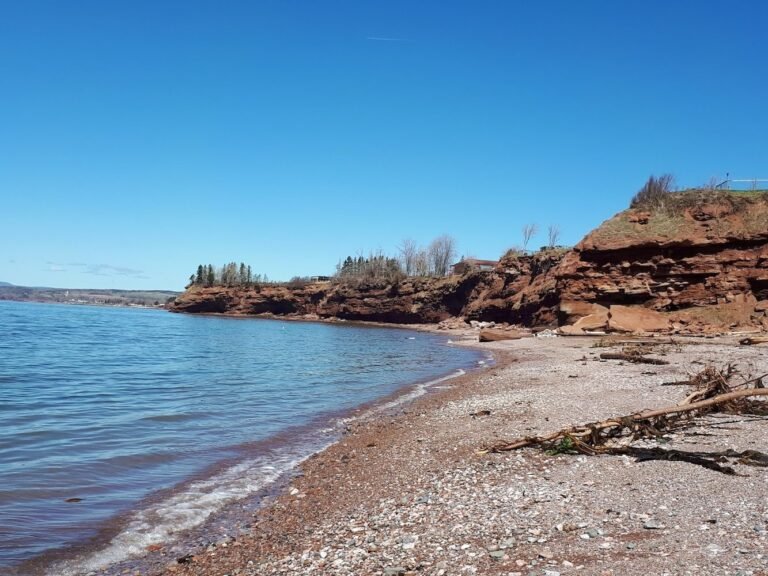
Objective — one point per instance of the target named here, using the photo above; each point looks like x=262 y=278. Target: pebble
x=469 y=515
x=497 y=554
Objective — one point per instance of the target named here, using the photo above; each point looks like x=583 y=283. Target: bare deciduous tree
x=421 y=263
x=711 y=184
x=553 y=235
x=408 y=252
x=529 y=231
x=441 y=252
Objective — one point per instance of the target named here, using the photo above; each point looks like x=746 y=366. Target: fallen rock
x=636 y=319
x=571 y=331
x=573 y=310
x=595 y=321
x=489 y=335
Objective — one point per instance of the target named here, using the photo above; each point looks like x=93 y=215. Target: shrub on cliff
x=654 y=194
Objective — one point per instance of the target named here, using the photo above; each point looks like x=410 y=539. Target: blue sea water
x=163 y=419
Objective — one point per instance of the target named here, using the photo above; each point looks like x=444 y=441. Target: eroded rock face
x=421 y=300
x=520 y=291
x=701 y=265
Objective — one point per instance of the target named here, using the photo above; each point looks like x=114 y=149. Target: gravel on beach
x=411 y=491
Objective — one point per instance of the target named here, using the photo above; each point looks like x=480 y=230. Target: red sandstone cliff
x=519 y=291
x=698 y=264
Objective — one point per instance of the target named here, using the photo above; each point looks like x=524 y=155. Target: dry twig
x=713 y=393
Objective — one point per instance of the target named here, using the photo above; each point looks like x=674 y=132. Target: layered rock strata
x=699 y=263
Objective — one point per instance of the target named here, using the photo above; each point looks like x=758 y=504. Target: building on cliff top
x=465 y=265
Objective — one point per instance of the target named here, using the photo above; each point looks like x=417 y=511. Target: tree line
x=230 y=274
x=434 y=259
x=411 y=260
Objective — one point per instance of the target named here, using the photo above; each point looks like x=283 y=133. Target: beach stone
x=570 y=331
x=488 y=335
x=497 y=554
x=394 y=571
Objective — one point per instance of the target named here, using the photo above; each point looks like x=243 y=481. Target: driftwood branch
x=714 y=393
x=626 y=421
x=754 y=340
x=711 y=460
x=634 y=358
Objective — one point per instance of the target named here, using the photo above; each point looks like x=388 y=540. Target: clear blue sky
x=140 y=138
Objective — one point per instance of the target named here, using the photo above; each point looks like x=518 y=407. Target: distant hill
x=99 y=297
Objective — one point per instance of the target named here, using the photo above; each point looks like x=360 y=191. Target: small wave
x=178 y=417
x=162 y=522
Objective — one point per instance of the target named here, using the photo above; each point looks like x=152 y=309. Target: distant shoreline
x=88 y=296
x=91 y=304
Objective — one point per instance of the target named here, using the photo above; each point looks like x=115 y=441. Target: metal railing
x=743 y=184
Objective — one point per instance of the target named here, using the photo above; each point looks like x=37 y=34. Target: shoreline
x=233 y=518
x=411 y=492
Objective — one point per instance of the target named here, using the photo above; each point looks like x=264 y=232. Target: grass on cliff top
x=745 y=213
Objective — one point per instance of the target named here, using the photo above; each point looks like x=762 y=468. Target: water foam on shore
x=161 y=523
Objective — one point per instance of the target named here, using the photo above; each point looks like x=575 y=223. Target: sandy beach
x=411 y=491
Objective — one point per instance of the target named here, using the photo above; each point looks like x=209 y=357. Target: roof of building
x=477 y=262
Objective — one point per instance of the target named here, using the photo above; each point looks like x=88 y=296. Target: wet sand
x=410 y=490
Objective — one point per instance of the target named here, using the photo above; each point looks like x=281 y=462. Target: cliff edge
x=696 y=264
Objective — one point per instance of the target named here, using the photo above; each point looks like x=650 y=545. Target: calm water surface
x=110 y=405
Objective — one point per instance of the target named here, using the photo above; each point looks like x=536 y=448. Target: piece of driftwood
x=714 y=392
x=598 y=432
x=711 y=460
x=754 y=340
x=634 y=358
